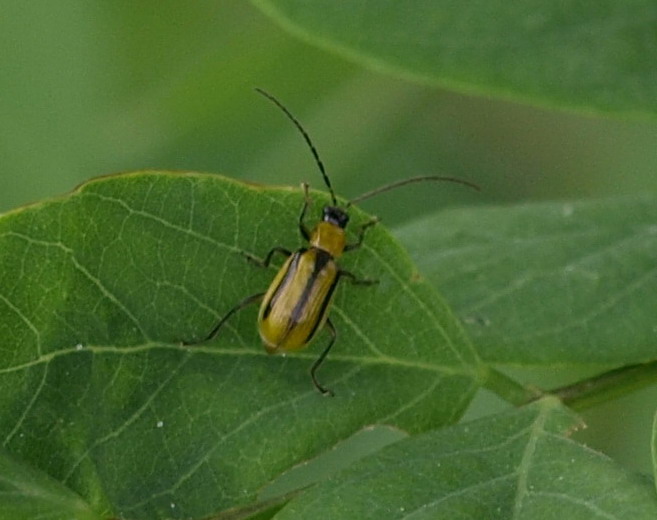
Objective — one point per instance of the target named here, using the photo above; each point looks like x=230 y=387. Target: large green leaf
x=517 y=465
x=548 y=283
x=99 y=288
x=588 y=55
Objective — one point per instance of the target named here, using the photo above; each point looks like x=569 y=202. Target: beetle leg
x=361 y=234
x=354 y=280
x=246 y=301
x=305 y=232
x=265 y=262
x=320 y=359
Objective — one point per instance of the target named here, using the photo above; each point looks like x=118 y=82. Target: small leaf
x=592 y=55
x=100 y=287
x=548 y=283
x=514 y=465
x=28 y=494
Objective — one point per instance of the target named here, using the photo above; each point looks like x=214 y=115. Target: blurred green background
x=91 y=88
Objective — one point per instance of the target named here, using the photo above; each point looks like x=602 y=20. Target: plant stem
x=607 y=386
x=581 y=395
x=509 y=389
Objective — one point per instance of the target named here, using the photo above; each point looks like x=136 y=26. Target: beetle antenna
x=306 y=137
x=412 y=180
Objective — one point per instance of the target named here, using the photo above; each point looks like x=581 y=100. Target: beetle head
x=336 y=216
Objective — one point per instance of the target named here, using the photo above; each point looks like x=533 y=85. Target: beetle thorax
x=329 y=237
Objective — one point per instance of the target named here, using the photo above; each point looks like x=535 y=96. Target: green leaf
x=100 y=287
x=653 y=448
x=515 y=465
x=548 y=283
x=362 y=443
x=27 y=493
x=593 y=56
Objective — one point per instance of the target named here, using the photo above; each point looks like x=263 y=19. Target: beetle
x=296 y=305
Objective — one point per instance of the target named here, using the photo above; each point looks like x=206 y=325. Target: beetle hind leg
x=313 y=369
x=244 y=303
x=264 y=262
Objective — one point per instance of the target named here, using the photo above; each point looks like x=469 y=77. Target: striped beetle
x=296 y=306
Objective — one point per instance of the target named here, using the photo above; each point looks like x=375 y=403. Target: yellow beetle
x=296 y=305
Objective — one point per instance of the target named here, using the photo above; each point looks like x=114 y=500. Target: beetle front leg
x=361 y=234
x=355 y=280
x=305 y=232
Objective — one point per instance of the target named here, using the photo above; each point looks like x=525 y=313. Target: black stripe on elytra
x=285 y=281
x=323 y=309
x=321 y=259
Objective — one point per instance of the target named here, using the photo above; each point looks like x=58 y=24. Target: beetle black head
x=336 y=216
